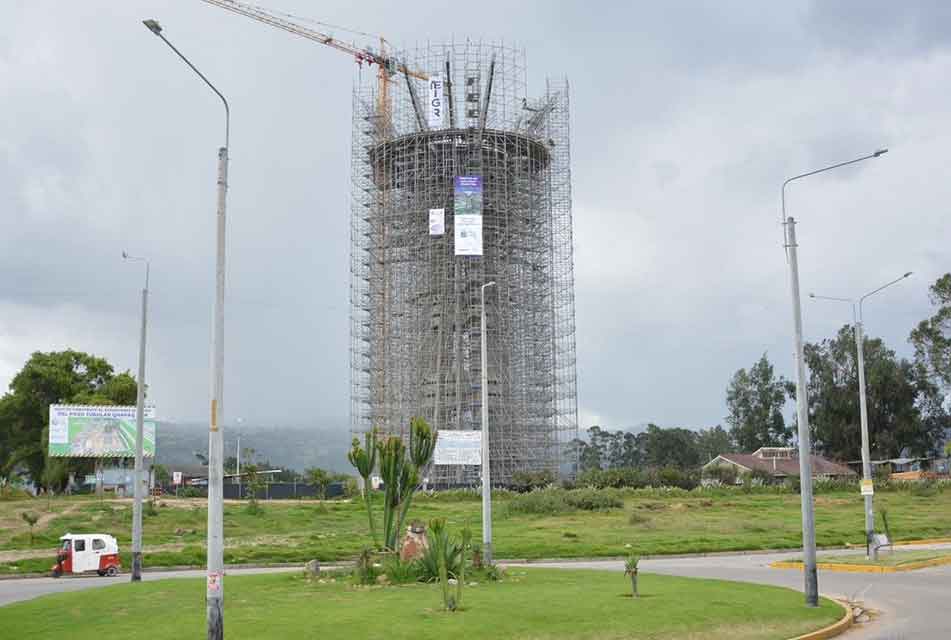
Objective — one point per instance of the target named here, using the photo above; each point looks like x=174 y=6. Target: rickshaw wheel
x=112 y=572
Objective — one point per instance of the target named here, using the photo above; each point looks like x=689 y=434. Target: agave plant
x=630 y=569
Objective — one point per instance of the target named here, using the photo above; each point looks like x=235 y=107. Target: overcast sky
x=686 y=118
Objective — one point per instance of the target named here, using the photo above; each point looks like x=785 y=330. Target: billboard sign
x=437 y=222
x=458 y=447
x=467 y=223
x=435 y=110
x=79 y=431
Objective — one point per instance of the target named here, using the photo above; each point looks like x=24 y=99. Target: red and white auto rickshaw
x=82 y=552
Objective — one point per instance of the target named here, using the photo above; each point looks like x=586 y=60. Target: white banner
x=176 y=477
x=436 y=102
x=458 y=447
x=437 y=222
x=468 y=235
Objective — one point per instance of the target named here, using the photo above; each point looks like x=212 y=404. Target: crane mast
x=386 y=66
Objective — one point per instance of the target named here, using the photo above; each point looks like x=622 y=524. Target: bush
x=553 y=501
x=793 y=483
x=399 y=572
x=593 y=499
x=640 y=478
x=524 y=481
x=365 y=571
x=723 y=475
x=427 y=566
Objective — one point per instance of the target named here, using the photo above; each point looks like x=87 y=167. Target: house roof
x=785 y=466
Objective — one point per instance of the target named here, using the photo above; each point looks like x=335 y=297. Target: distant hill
x=295 y=447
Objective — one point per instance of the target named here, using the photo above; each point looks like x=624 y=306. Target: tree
x=162 y=476
x=30 y=519
x=319 y=478
x=905 y=407
x=755 y=400
x=54 y=476
x=673 y=447
x=712 y=442
x=60 y=377
x=932 y=337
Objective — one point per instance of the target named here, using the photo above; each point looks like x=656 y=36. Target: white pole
x=866 y=463
x=486 y=478
x=238 y=467
x=139 y=418
x=214 y=593
x=802 y=412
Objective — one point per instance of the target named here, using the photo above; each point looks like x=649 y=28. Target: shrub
x=593 y=499
x=427 y=566
x=553 y=501
x=793 y=483
x=365 y=571
x=399 y=572
x=724 y=475
x=523 y=481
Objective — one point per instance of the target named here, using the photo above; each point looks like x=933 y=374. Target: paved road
x=911 y=604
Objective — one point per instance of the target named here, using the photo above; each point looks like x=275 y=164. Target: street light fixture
x=214 y=591
x=802 y=404
x=139 y=419
x=486 y=478
x=863 y=409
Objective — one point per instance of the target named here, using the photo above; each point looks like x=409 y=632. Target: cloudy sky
x=687 y=117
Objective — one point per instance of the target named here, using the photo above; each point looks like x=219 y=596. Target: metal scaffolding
x=415 y=304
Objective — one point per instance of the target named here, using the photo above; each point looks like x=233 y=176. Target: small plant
x=150 y=509
x=365 y=571
x=630 y=569
x=254 y=484
x=364 y=460
x=31 y=519
x=637 y=518
x=461 y=578
x=399 y=572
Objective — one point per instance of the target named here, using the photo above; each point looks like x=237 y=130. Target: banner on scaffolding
x=458 y=447
x=435 y=115
x=467 y=222
x=437 y=222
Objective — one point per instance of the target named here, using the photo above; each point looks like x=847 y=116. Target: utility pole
x=214 y=591
x=802 y=415
x=870 y=551
x=486 y=477
x=802 y=402
x=139 y=419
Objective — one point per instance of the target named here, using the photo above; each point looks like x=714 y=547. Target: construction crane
x=387 y=66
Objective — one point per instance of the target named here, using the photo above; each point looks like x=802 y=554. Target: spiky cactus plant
x=364 y=460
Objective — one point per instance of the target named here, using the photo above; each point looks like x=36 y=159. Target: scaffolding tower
x=415 y=304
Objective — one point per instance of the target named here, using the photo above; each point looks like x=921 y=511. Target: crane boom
x=387 y=65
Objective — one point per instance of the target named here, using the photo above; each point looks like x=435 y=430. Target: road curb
x=834 y=629
x=842 y=567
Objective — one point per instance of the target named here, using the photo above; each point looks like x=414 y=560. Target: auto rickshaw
x=86 y=552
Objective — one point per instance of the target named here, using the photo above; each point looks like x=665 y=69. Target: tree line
x=906 y=401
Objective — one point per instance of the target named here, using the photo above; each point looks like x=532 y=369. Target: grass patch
x=535 y=603
x=666 y=522
x=888 y=559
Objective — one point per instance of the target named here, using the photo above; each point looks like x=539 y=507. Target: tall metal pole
x=859 y=332
x=214 y=591
x=802 y=414
x=139 y=420
x=486 y=477
x=866 y=463
x=802 y=403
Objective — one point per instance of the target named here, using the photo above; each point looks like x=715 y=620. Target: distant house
x=780 y=463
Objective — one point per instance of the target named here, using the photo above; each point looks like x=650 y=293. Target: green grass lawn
x=528 y=604
x=889 y=558
x=652 y=522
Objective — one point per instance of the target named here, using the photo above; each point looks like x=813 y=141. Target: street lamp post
x=139 y=419
x=214 y=591
x=486 y=478
x=802 y=405
x=863 y=409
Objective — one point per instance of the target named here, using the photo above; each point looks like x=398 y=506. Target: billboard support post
x=139 y=427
